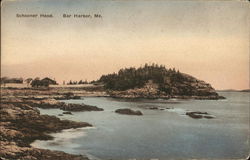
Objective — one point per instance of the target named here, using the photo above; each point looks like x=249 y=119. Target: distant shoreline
x=233 y=90
x=90 y=90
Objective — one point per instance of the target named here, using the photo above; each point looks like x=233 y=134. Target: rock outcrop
x=21 y=124
x=52 y=103
x=199 y=115
x=149 y=91
x=128 y=112
x=156 y=81
x=196 y=90
x=79 y=107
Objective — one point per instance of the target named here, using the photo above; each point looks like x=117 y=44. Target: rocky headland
x=151 y=91
x=154 y=81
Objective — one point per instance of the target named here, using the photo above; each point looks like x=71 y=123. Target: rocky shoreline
x=151 y=91
x=140 y=94
x=124 y=95
x=21 y=124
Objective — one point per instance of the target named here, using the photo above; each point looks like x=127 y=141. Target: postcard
x=124 y=80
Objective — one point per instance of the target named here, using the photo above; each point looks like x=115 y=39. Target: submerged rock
x=128 y=112
x=199 y=115
x=153 y=108
x=169 y=108
x=67 y=112
x=208 y=117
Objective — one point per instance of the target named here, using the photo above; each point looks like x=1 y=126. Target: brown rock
x=79 y=107
x=199 y=115
x=67 y=112
x=128 y=112
x=21 y=124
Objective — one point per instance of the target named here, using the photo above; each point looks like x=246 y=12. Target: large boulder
x=79 y=107
x=128 y=112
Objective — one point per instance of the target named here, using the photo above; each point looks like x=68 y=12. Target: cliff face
x=21 y=124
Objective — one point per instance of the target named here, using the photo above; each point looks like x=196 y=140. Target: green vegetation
x=130 y=78
x=39 y=83
x=169 y=81
x=43 y=83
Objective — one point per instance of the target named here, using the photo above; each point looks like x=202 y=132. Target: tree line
x=75 y=82
x=36 y=82
x=129 y=78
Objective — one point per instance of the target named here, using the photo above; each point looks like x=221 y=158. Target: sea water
x=158 y=134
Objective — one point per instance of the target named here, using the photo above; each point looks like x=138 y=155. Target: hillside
x=156 y=81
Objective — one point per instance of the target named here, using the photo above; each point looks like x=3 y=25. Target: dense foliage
x=39 y=83
x=129 y=78
x=42 y=83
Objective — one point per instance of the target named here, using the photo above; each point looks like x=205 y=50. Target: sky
x=206 y=39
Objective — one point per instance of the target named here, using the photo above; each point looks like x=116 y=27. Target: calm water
x=157 y=134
